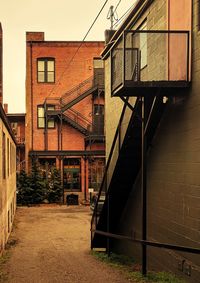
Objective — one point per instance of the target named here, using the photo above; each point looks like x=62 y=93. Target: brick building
x=7 y=168
x=65 y=110
x=152 y=143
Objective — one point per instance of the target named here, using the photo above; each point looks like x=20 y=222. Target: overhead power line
x=123 y=16
x=117 y=5
x=73 y=56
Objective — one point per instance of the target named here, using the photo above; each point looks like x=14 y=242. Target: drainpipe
x=31 y=95
x=85 y=179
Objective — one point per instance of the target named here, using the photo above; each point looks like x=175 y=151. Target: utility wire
x=117 y=5
x=79 y=46
x=122 y=17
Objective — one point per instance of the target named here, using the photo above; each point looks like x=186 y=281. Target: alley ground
x=53 y=245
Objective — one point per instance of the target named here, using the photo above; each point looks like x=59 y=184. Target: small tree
x=54 y=186
x=38 y=184
x=24 y=189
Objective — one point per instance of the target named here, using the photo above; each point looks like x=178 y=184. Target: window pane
x=51 y=123
x=143 y=46
x=40 y=122
x=50 y=66
x=50 y=107
x=41 y=65
x=41 y=112
x=41 y=77
x=50 y=77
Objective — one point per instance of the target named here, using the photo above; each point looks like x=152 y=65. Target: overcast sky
x=59 y=19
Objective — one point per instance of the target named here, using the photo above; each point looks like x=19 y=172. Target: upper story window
x=143 y=45
x=41 y=117
x=46 y=70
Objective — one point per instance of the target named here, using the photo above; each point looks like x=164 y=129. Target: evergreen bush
x=38 y=187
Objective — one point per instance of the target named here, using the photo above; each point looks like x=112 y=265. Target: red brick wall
x=66 y=78
x=68 y=74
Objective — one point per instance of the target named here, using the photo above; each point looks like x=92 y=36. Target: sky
x=59 y=20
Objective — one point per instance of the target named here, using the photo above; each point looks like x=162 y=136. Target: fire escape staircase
x=125 y=158
x=64 y=105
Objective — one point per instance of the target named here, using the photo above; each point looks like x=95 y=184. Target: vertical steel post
x=144 y=190
x=85 y=177
x=108 y=226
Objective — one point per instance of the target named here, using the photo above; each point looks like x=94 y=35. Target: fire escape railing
x=112 y=158
x=76 y=91
x=79 y=119
x=141 y=50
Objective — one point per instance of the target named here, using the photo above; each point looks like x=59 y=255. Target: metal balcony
x=143 y=61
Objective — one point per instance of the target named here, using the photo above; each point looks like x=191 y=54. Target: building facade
x=152 y=142
x=17 y=122
x=7 y=170
x=65 y=110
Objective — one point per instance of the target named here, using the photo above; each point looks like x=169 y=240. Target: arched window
x=46 y=70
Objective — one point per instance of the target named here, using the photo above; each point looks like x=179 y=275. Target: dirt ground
x=54 y=246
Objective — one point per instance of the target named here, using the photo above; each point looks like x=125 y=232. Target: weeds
x=132 y=270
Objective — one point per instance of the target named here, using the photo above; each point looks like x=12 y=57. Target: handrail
x=78 y=114
x=76 y=88
x=79 y=119
x=110 y=157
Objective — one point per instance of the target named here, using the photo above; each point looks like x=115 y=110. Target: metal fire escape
x=61 y=110
x=148 y=70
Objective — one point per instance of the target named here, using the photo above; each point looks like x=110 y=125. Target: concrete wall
x=7 y=186
x=173 y=182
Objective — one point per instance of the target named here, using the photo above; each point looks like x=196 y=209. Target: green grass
x=132 y=270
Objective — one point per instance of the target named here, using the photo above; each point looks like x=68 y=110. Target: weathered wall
x=7 y=186
x=1 y=64
x=173 y=171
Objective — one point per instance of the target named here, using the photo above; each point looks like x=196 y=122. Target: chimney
x=34 y=36
x=1 y=64
x=5 y=106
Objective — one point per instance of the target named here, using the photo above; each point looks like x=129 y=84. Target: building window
x=98 y=119
x=72 y=174
x=4 y=155
x=143 y=45
x=8 y=157
x=41 y=117
x=46 y=70
x=96 y=172
x=9 y=221
x=14 y=128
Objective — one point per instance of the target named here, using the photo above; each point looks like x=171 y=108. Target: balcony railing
x=141 y=59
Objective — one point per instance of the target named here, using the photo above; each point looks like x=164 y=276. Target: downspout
x=31 y=97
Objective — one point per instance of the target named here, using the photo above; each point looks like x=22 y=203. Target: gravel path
x=54 y=246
